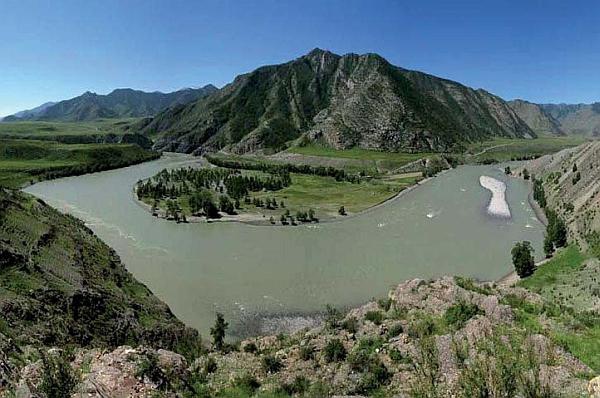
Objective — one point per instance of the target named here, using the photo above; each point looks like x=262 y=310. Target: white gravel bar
x=498 y=206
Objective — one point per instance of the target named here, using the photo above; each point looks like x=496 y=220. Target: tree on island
x=525 y=174
x=226 y=204
x=218 y=332
x=507 y=170
x=523 y=259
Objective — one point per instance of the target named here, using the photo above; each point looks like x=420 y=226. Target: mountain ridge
x=341 y=100
x=121 y=102
x=560 y=119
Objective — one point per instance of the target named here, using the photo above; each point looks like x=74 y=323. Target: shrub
x=247 y=383
x=250 y=348
x=458 y=314
x=376 y=376
x=210 y=366
x=58 y=378
x=299 y=386
x=270 y=364
x=374 y=316
x=307 y=352
x=385 y=303
x=149 y=368
x=395 y=330
x=350 y=325
x=333 y=317
x=397 y=356
x=334 y=351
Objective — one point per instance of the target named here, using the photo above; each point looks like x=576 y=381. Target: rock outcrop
x=440 y=335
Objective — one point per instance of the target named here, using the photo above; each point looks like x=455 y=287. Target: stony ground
x=428 y=338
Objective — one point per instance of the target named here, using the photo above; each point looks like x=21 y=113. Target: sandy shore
x=498 y=205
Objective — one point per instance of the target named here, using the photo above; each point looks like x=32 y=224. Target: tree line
x=272 y=168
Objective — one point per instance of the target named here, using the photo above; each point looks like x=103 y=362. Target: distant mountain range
x=560 y=119
x=340 y=101
x=123 y=102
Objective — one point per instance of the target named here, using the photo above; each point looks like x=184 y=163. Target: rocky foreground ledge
x=449 y=336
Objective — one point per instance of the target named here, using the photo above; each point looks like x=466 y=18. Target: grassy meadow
x=569 y=284
x=504 y=149
x=27 y=161
x=46 y=130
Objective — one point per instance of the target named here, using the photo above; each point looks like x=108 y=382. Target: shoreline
x=512 y=278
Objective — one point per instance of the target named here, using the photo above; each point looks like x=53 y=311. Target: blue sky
x=543 y=51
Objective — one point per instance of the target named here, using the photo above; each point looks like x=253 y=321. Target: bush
x=250 y=348
x=395 y=330
x=149 y=368
x=335 y=351
x=350 y=325
x=270 y=364
x=333 y=317
x=299 y=386
x=385 y=304
x=397 y=356
x=376 y=376
x=58 y=378
x=374 y=316
x=458 y=314
x=247 y=383
x=307 y=352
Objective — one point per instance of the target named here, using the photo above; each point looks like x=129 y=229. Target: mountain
x=341 y=101
x=583 y=119
x=537 y=117
x=123 y=102
x=28 y=114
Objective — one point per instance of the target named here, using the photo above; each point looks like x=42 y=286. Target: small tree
x=525 y=174
x=342 y=211
x=218 y=332
x=548 y=246
x=523 y=259
x=507 y=170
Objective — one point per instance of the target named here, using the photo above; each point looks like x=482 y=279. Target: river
x=252 y=273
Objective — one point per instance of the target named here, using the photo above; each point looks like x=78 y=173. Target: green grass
x=561 y=267
x=325 y=195
x=49 y=129
x=508 y=149
x=567 y=283
x=24 y=161
x=379 y=159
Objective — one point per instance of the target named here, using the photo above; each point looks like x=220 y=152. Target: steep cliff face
x=342 y=101
x=572 y=184
x=536 y=117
